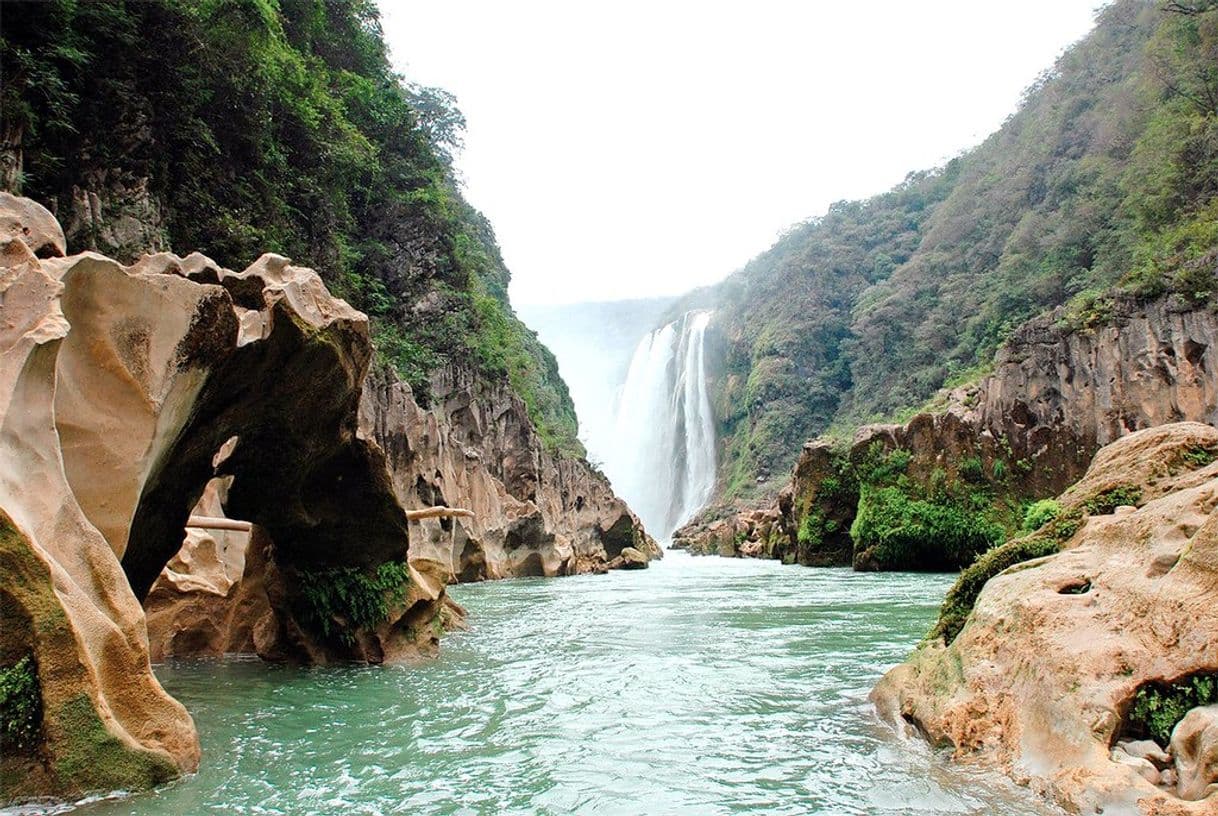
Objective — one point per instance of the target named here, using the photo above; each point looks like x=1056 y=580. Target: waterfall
x=663 y=463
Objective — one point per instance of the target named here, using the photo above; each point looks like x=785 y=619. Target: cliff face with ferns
x=1024 y=432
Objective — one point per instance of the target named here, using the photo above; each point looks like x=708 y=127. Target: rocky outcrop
x=124 y=393
x=1043 y=678
x=97 y=717
x=1056 y=395
x=535 y=512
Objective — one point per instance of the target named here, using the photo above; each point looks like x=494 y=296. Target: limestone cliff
x=1056 y=395
x=1046 y=677
x=536 y=512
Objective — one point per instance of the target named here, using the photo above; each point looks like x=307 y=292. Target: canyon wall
x=140 y=404
x=1056 y=395
x=535 y=511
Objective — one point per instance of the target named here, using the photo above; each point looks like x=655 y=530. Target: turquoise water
x=699 y=686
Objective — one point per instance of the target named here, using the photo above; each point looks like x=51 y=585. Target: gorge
x=916 y=511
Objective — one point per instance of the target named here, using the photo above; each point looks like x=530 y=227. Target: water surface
x=699 y=686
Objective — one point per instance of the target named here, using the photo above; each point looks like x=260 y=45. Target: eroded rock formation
x=1057 y=394
x=124 y=393
x=1042 y=678
x=535 y=512
x=100 y=719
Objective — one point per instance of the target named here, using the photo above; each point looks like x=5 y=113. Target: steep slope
x=282 y=128
x=238 y=128
x=1106 y=177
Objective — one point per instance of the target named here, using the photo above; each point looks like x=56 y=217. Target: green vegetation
x=896 y=531
x=342 y=600
x=237 y=127
x=94 y=759
x=960 y=599
x=1198 y=457
x=1039 y=514
x=1106 y=501
x=1158 y=707
x=20 y=706
x=1098 y=193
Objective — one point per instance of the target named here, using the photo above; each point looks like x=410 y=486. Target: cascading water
x=663 y=464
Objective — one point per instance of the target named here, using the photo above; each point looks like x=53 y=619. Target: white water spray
x=664 y=461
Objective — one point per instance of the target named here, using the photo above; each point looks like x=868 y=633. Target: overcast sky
x=631 y=149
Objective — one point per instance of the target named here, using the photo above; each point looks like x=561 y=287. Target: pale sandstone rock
x=65 y=598
x=32 y=224
x=1146 y=749
x=1037 y=680
x=1195 y=745
x=115 y=422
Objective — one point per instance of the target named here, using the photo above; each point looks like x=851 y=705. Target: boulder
x=1194 y=742
x=1041 y=677
x=630 y=558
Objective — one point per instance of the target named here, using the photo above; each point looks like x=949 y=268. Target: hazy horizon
x=640 y=151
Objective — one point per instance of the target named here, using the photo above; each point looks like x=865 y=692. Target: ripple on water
x=699 y=686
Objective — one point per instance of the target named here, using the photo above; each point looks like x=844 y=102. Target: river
x=699 y=686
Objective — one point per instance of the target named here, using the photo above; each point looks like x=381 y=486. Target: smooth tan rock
x=32 y=224
x=66 y=601
x=1037 y=680
x=1194 y=741
x=164 y=378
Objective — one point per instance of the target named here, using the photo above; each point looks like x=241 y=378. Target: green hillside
x=237 y=127
x=1105 y=180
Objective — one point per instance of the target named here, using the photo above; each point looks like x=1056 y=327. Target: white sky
x=631 y=149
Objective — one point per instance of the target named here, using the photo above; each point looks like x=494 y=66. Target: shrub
x=1198 y=457
x=959 y=601
x=1040 y=513
x=896 y=531
x=1000 y=470
x=972 y=470
x=1104 y=502
x=1158 y=707
x=349 y=595
x=882 y=468
x=20 y=706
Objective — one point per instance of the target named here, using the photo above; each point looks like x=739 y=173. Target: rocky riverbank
x=138 y=400
x=1091 y=673
x=1026 y=431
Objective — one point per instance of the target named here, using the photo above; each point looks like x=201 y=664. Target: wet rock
x=630 y=558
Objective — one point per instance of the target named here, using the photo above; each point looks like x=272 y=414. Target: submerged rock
x=1041 y=679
